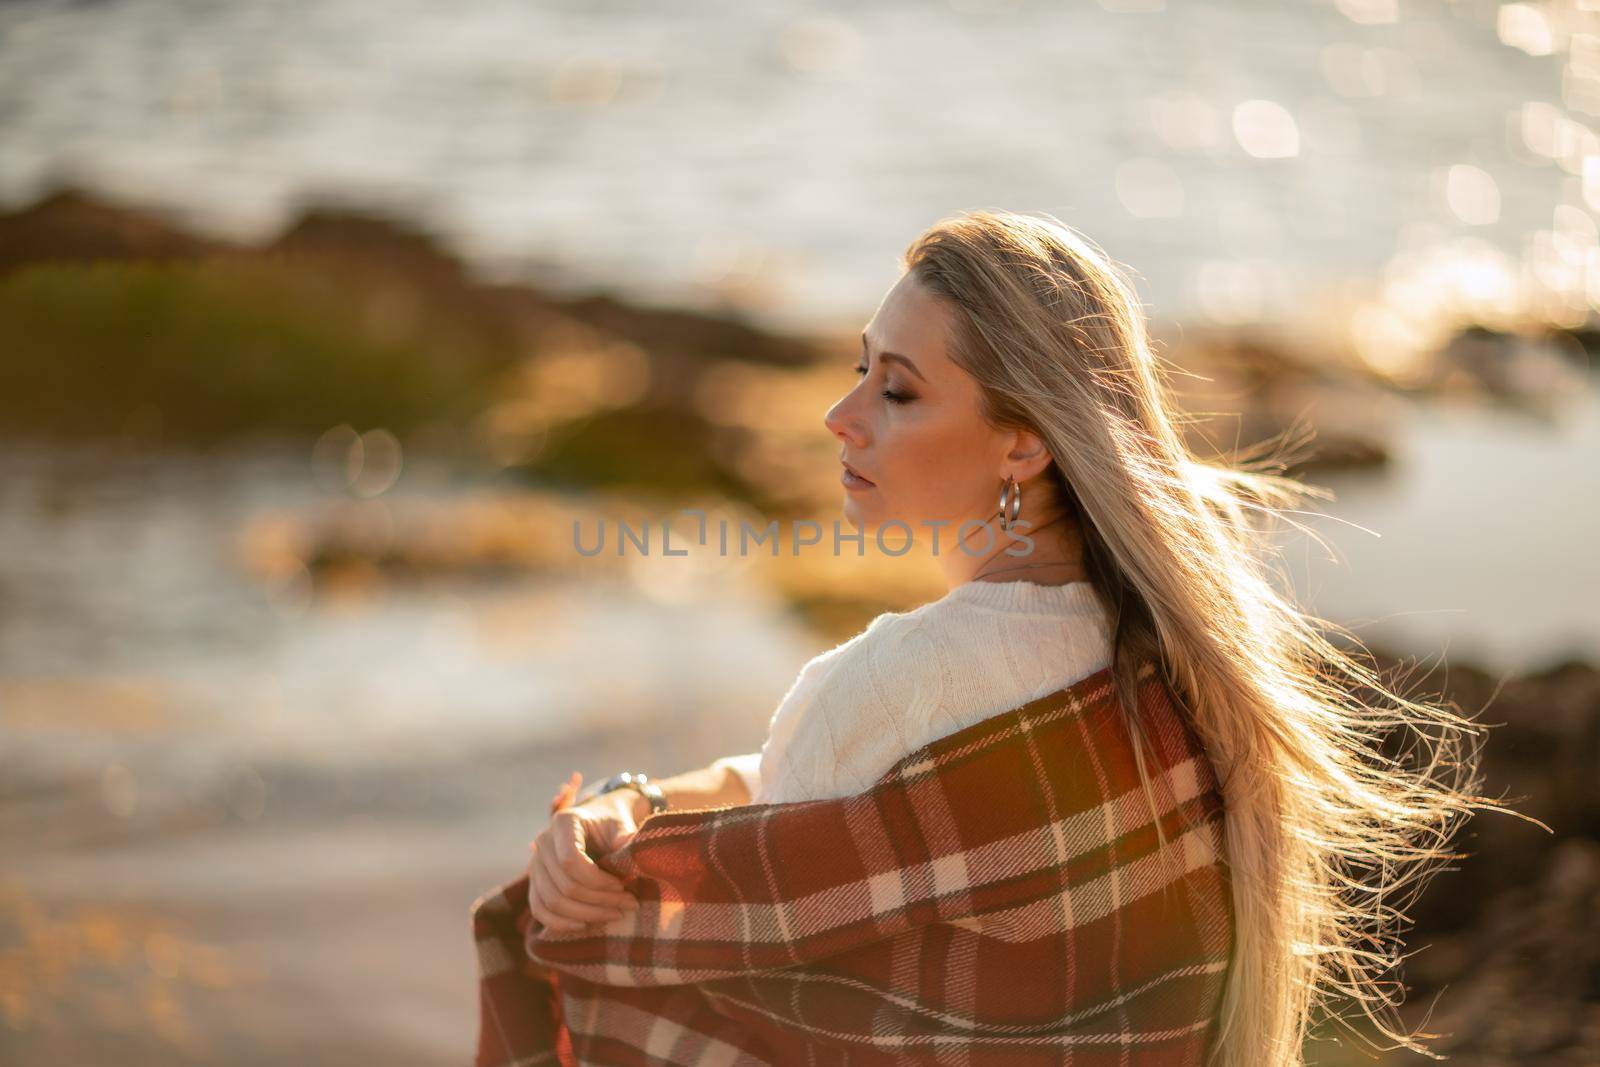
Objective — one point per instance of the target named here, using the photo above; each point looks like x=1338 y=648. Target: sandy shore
x=331 y=936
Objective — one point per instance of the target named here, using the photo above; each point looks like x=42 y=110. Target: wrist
x=638 y=804
x=641 y=796
x=629 y=800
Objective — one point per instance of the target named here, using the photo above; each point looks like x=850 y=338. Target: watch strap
x=635 y=780
x=651 y=792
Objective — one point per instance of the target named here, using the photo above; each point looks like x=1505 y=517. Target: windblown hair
x=1331 y=826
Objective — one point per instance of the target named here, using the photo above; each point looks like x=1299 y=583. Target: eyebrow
x=894 y=357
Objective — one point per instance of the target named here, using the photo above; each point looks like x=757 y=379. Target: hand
x=567 y=890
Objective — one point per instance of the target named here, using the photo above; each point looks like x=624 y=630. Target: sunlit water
x=1239 y=156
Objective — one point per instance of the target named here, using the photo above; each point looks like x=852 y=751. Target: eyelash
x=891 y=397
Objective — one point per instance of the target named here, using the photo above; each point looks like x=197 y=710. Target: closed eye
x=888 y=394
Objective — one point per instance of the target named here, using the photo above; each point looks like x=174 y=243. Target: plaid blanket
x=1007 y=894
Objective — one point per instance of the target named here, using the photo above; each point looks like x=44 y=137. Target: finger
x=572 y=890
x=568 y=887
x=577 y=910
x=578 y=868
x=543 y=888
x=543 y=900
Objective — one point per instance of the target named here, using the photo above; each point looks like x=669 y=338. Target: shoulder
x=1019 y=636
x=912 y=676
x=951 y=633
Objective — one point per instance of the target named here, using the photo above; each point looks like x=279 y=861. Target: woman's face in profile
x=911 y=426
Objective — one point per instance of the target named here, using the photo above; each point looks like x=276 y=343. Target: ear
x=1027 y=455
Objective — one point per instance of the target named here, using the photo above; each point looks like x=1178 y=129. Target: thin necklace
x=1022 y=566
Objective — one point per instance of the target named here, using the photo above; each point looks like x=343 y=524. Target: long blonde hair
x=1329 y=831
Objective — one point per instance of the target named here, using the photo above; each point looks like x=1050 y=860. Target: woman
x=1012 y=356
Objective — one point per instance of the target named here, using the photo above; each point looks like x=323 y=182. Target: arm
x=747 y=768
x=736 y=890
x=566 y=887
x=1011 y=811
x=727 y=782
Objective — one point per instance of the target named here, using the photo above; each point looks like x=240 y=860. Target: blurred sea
x=134 y=617
x=1246 y=159
x=1476 y=545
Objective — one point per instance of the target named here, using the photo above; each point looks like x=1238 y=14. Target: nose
x=843 y=423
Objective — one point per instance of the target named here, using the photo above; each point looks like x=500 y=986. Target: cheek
x=932 y=471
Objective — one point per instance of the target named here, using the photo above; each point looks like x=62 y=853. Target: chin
x=866 y=519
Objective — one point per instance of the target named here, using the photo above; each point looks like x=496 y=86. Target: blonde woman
x=1006 y=379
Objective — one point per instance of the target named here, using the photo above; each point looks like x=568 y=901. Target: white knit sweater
x=912 y=677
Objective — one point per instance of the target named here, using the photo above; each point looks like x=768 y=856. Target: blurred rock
x=70 y=226
x=1531 y=992
x=1506 y=944
x=115 y=323
x=1529 y=370
x=1245 y=391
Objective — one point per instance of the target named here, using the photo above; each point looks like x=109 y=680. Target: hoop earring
x=1015 y=503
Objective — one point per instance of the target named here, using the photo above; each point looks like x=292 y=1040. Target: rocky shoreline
x=1507 y=939
x=389 y=290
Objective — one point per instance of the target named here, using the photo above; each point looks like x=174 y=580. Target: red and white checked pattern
x=1001 y=895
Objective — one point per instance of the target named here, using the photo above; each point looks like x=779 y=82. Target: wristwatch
x=634 y=780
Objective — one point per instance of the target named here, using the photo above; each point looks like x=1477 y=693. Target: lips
x=857 y=473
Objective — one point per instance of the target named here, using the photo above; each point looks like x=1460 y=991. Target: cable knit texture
x=912 y=677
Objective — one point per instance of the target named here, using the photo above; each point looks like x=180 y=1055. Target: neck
x=1056 y=557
